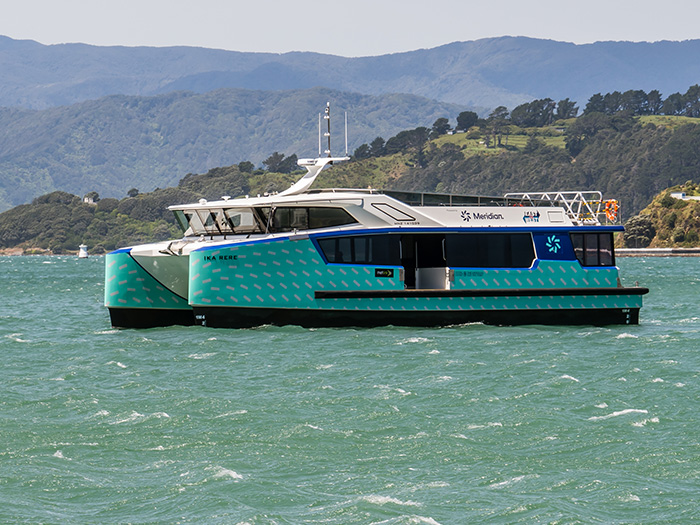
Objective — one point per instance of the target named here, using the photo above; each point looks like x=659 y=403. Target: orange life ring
x=611 y=208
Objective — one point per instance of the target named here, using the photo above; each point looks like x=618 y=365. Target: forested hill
x=119 y=142
x=484 y=73
x=628 y=158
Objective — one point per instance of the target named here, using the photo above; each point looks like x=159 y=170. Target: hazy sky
x=349 y=28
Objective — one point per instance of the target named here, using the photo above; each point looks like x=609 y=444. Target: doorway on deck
x=423 y=259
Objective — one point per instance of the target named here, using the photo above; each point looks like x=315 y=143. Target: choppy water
x=392 y=425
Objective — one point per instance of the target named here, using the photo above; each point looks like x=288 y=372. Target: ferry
x=367 y=257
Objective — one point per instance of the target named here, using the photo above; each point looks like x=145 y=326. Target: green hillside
x=624 y=157
x=631 y=159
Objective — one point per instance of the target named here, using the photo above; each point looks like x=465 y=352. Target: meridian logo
x=467 y=216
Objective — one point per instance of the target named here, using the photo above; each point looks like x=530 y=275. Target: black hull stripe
x=236 y=317
x=520 y=292
x=149 y=317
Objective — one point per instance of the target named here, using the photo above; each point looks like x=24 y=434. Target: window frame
x=587 y=251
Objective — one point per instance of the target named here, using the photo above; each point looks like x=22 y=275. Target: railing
x=585 y=207
x=582 y=207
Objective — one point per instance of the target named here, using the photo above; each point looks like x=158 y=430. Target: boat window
x=594 y=249
x=221 y=221
x=288 y=219
x=489 y=250
x=382 y=250
x=291 y=218
x=183 y=220
x=577 y=242
x=195 y=223
x=241 y=220
x=590 y=250
x=322 y=217
x=605 y=249
x=208 y=219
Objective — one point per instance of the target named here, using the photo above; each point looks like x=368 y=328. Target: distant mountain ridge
x=115 y=143
x=480 y=74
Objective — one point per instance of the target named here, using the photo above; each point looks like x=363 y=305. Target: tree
x=377 y=147
x=673 y=105
x=133 y=192
x=566 y=109
x=520 y=116
x=534 y=114
x=246 y=166
x=654 y=102
x=362 y=152
x=466 y=119
x=595 y=105
x=499 y=114
x=496 y=120
x=635 y=101
x=612 y=103
x=440 y=127
x=639 y=232
x=288 y=164
x=407 y=140
x=92 y=196
x=273 y=162
x=278 y=163
x=691 y=101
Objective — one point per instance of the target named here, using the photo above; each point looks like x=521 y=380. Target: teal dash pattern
x=287 y=273
x=277 y=274
x=545 y=274
x=128 y=285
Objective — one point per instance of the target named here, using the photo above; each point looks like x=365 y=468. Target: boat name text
x=221 y=257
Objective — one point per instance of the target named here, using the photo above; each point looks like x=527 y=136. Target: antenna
x=319 y=134
x=327 y=116
x=346 y=133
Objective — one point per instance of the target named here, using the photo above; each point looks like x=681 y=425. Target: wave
x=383 y=500
x=619 y=413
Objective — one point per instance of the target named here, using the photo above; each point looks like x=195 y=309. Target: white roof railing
x=585 y=207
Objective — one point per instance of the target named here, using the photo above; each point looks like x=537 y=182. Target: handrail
x=585 y=207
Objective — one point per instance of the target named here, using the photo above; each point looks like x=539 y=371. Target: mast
x=317 y=165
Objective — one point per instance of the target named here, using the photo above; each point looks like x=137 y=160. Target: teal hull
x=288 y=282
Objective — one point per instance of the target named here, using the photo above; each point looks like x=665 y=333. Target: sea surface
x=465 y=424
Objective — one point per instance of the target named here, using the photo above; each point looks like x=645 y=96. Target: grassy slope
x=677 y=222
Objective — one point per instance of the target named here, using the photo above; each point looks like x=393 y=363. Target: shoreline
x=657 y=252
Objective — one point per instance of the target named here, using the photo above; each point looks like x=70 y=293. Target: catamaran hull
x=592 y=306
